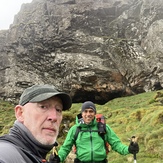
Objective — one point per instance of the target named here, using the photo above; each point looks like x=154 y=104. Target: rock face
x=93 y=49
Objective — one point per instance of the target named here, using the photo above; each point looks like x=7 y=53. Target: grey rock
x=93 y=49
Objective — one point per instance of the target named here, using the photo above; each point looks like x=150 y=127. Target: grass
x=7 y=116
x=140 y=115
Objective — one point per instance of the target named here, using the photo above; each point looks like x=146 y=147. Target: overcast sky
x=9 y=8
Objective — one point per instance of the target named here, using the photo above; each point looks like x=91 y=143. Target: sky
x=8 y=9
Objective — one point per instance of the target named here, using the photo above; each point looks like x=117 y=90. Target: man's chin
x=48 y=140
x=87 y=122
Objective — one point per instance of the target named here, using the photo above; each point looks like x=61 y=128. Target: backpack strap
x=105 y=143
x=78 y=129
x=102 y=132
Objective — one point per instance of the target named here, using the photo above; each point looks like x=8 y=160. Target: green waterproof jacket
x=89 y=145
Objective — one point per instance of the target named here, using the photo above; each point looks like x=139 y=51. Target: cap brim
x=66 y=100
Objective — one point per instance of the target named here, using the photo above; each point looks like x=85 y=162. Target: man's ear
x=19 y=113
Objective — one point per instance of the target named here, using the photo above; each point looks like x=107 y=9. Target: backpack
x=101 y=130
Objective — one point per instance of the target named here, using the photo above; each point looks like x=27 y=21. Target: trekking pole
x=135 y=158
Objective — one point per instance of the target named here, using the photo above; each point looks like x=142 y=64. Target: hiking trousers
x=76 y=160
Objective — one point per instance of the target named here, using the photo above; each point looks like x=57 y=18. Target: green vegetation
x=7 y=117
x=140 y=115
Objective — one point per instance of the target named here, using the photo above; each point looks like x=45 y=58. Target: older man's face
x=42 y=119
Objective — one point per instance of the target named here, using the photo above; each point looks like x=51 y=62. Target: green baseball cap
x=38 y=93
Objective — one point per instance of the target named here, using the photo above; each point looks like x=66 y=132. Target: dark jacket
x=19 y=146
x=90 y=145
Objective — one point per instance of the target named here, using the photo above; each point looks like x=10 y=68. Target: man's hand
x=54 y=159
x=133 y=147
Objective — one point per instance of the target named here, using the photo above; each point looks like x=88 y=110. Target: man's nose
x=52 y=115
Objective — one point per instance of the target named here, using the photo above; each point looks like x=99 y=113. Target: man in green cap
x=34 y=133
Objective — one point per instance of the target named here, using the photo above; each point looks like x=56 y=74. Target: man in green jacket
x=90 y=147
